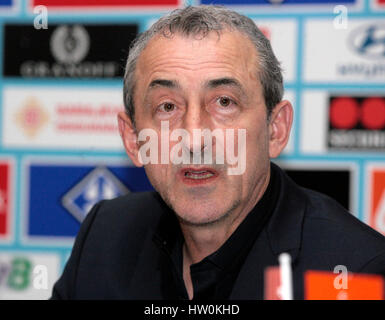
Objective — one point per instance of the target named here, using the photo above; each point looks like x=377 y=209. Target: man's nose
x=195 y=121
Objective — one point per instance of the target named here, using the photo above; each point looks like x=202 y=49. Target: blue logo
x=6 y=3
x=368 y=41
x=98 y=185
x=61 y=195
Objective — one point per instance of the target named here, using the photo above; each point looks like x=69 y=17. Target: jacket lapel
x=283 y=233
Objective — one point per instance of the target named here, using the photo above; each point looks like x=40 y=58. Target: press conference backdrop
x=62 y=63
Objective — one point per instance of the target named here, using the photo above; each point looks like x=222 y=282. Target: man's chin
x=198 y=215
x=197 y=220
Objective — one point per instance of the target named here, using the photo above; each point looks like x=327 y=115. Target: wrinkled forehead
x=229 y=47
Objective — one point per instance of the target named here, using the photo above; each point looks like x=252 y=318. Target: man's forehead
x=229 y=46
x=232 y=38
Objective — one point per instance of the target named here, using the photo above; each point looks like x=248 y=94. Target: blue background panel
x=6 y=3
x=48 y=185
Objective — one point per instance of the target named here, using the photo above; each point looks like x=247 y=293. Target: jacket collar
x=283 y=233
x=284 y=228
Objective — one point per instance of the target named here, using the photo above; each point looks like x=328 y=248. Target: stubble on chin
x=185 y=218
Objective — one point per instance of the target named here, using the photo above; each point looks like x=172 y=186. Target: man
x=209 y=232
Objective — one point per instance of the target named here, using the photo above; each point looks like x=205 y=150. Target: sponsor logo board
x=67 y=50
x=57 y=118
x=342 y=121
x=375 y=198
x=98 y=185
x=356 y=54
x=27 y=276
x=356 y=123
x=61 y=192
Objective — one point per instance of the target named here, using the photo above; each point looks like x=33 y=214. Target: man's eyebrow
x=231 y=82
x=163 y=83
x=211 y=84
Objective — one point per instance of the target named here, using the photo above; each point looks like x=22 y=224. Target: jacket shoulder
x=133 y=208
x=323 y=207
x=108 y=246
x=334 y=231
x=126 y=218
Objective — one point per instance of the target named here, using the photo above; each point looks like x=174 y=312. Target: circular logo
x=344 y=113
x=373 y=113
x=368 y=41
x=32 y=117
x=70 y=44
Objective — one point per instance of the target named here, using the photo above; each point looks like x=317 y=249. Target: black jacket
x=115 y=257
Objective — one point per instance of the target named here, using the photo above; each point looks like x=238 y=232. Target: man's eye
x=224 y=101
x=167 y=107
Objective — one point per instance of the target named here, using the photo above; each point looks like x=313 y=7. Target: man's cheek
x=236 y=151
x=158 y=172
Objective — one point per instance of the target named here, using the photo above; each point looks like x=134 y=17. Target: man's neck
x=201 y=241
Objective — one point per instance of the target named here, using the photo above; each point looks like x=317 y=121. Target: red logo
x=357 y=123
x=105 y=3
x=323 y=285
x=5 y=187
x=349 y=113
x=377 y=199
x=382 y=2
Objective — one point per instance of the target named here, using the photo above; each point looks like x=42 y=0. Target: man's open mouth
x=201 y=174
x=198 y=174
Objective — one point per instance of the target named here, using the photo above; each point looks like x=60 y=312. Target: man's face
x=204 y=83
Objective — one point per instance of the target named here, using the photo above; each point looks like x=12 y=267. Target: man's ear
x=128 y=133
x=281 y=119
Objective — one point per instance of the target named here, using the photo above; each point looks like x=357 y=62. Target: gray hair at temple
x=199 y=21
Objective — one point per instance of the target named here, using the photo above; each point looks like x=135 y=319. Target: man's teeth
x=199 y=175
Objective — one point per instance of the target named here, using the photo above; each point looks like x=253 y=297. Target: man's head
x=206 y=68
x=198 y=22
